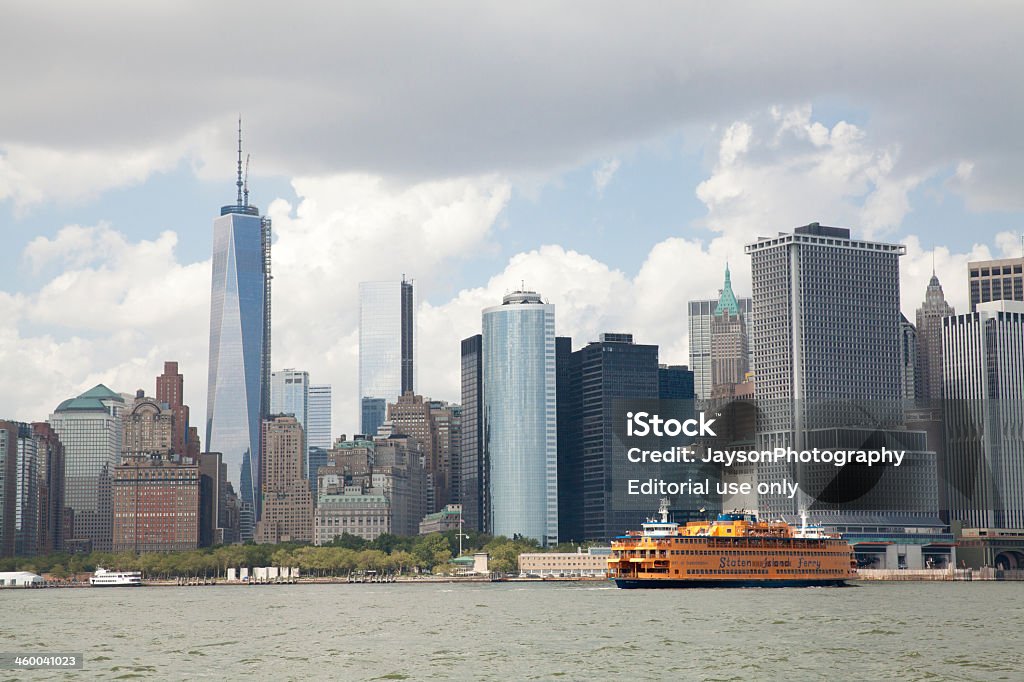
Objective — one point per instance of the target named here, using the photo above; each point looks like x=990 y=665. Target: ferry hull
x=649 y=583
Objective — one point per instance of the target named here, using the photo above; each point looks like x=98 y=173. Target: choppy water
x=569 y=631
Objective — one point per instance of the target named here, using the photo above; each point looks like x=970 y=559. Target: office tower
x=570 y=473
x=8 y=486
x=908 y=359
x=148 y=427
x=928 y=379
x=170 y=391
x=26 y=519
x=387 y=344
x=827 y=325
x=995 y=280
x=603 y=375
x=519 y=408
x=983 y=383
x=701 y=316
x=89 y=428
x=156 y=502
x=287 y=501
x=318 y=431
x=238 y=392
x=474 y=483
x=729 y=352
x=51 y=488
x=289 y=394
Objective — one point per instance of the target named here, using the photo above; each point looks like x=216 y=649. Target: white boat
x=104 y=578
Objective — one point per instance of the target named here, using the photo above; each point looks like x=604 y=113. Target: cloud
x=782 y=169
x=604 y=174
x=471 y=89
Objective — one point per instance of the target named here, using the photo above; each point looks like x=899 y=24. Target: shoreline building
x=983 y=374
x=238 y=392
x=520 y=416
x=89 y=428
x=387 y=348
x=156 y=502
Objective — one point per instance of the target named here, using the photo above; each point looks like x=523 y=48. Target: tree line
x=347 y=554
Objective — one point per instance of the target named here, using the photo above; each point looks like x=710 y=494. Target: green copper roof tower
x=727 y=299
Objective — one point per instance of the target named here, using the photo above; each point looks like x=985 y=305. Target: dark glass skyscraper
x=238 y=393
x=473 y=480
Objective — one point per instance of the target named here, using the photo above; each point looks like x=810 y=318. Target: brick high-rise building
x=411 y=415
x=155 y=504
x=170 y=390
x=287 y=501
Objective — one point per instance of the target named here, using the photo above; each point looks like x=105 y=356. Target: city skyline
x=595 y=207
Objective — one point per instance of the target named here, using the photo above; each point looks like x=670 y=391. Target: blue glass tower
x=238 y=392
x=520 y=413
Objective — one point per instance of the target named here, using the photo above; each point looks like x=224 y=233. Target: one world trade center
x=239 y=378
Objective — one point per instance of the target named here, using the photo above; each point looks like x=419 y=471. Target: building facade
x=318 y=430
x=387 y=343
x=26 y=522
x=289 y=394
x=983 y=375
x=520 y=422
x=238 y=388
x=90 y=430
x=995 y=280
x=148 y=427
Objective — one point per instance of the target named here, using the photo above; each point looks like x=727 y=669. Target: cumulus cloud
x=785 y=169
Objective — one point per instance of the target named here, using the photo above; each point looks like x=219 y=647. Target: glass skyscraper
x=239 y=382
x=318 y=431
x=289 y=394
x=90 y=429
x=387 y=344
x=520 y=404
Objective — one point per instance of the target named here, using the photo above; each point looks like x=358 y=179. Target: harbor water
x=504 y=631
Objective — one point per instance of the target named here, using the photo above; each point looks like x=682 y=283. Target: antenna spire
x=245 y=182
x=239 y=182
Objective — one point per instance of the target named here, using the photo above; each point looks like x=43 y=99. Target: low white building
x=21 y=579
x=579 y=564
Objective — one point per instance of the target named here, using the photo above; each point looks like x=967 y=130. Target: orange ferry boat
x=736 y=550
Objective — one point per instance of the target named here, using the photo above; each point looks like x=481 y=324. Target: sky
x=612 y=158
